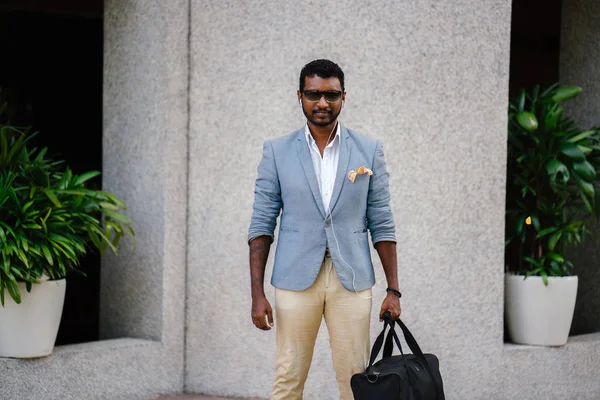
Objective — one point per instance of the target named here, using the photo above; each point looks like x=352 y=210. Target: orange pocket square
x=359 y=171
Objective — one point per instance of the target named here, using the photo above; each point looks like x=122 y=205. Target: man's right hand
x=261 y=313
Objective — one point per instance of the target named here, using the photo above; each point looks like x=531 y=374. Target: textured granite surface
x=552 y=373
x=430 y=79
x=121 y=369
x=145 y=163
x=580 y=65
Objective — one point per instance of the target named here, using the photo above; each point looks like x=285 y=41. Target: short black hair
x=324 y=69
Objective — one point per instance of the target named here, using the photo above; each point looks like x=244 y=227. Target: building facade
x=191 y=90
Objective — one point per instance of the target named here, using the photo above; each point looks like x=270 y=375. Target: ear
x=299 y=93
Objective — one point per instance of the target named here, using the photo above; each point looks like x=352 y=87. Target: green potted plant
x=48 y=220
x=551 y=199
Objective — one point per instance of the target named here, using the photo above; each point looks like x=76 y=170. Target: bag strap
x=388 y=348
x=410 y=340
x=392 y=334
x=414 y=346
x=377 y=346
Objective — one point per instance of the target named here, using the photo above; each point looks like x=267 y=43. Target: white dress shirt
x=326 y=166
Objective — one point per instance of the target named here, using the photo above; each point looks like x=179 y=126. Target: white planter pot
x=29 y=329
x=537 y=314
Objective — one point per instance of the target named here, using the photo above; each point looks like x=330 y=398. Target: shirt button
x=327 y=223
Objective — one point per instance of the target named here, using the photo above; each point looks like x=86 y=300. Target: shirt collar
x=310 y=139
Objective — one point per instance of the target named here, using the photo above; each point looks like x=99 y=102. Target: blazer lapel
x=340 y=176
x=309 y=169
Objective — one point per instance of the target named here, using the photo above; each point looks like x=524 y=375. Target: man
x=322 y=264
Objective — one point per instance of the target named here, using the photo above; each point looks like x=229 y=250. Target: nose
x=322 y=102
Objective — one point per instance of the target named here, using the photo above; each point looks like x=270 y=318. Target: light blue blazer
x=287 y=183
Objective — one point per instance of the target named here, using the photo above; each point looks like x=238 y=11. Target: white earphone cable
x=337 y=243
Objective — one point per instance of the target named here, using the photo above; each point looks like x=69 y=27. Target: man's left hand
x=391 y=304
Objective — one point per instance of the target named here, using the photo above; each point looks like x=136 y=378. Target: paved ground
x=191 y=397
x=196 y=397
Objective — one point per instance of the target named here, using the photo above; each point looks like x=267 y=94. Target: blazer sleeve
x=380 y=219
x=267 y=196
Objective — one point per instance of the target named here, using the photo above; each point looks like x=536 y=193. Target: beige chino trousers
x=298 y=317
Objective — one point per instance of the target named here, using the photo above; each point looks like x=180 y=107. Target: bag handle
x=377 y=345
x=389 y=346
x=387 y=351
x=414 y=346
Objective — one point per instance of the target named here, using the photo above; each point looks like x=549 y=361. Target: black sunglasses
x=331 y=96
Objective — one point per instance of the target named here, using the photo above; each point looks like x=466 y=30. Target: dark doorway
x=51 y=78
x=534 y=44
x=534 y=57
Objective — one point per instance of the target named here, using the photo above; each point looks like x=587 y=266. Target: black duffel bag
x=405 y=377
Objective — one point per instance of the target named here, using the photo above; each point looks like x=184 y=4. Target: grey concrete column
x=145 y=162
x=430 y=79
x=580 y=65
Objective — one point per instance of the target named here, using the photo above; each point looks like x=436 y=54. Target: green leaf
x=117 y=216
x=566 y=93
x=47 y=254
x=553 y=240
x=16 y=146
x=47 y=215
x=77 y=202
x=552 y=118
x=544 y=276
x=50 y=194
x=555 y=269
x=557 y=170
x=533 y=261
x=6 y=262
x=586 y=150
x=106 y=241
x=572 y=151
x=556 y=257
x=26 y=206
x=532 y=272
x=32 y=226
x=113 y=198
x=17 y=273
x=549 y=90
x=582 y=135
x=586 y=201
x=85 y=177
x=13 y=288
x=585 y=170
x=520 y=224
x=587 y=188
x=527 y=121
x=521 y=100
x=546 y=231
x=536 y=222
x=108 y=206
